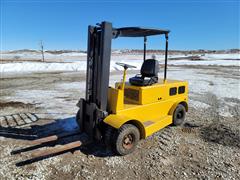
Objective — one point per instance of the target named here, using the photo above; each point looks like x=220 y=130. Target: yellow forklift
x=134 y=109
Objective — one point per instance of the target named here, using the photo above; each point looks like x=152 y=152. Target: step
x=152 y=126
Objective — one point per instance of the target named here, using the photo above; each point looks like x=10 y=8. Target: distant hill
x=200 y=51
x=46 y=51
x=130 y=51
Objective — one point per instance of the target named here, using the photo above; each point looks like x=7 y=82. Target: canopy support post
x=166 y=57
x=144 y=48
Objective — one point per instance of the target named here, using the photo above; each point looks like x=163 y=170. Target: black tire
x=126 y=139
x=179 y=115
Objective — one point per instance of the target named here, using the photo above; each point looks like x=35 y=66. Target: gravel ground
x=206 y=146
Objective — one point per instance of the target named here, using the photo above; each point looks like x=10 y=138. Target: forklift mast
x=98 y=64
x=94 y=107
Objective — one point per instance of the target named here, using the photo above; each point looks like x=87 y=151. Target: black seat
x=149 y=74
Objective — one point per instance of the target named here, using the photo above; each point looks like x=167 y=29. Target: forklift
x=134 y=109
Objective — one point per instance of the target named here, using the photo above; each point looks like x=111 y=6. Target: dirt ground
x=206 y=146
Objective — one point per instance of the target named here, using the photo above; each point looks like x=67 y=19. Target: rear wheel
x=179 y=115
x=126 y=139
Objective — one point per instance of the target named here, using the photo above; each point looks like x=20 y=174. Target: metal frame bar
x=90 y=54
x=144 y=48
x=166 y=58
x=104 y=62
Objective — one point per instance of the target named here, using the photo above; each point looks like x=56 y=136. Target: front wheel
x=126 y=139
x=179 y=115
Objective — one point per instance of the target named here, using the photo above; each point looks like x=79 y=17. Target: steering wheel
x=125 y=66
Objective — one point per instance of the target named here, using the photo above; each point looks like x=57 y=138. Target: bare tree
x=42 y=51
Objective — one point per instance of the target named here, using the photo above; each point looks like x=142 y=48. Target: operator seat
x=149 y=74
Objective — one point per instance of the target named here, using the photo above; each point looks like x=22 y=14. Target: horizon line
x=122 y=49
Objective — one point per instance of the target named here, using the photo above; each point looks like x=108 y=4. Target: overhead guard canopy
x=138 y=32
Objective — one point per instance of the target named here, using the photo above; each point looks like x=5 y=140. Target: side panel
x=115 y=100
x=155 y=93
x=161 y=93
x=150 y=111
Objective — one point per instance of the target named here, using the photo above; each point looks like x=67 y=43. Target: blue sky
x=62 y=24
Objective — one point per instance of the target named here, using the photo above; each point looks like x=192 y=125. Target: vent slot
x=181 y=89
x=173 y=91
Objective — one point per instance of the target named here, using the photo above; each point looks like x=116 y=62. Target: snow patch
x=198 y=104
x=222 y=56
x=72 y=86
x=27 y=67
x=224 y=111
x=206 y=62
x=41 y=67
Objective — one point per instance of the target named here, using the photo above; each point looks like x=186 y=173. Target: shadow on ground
x=23 y=126
x=64 y=131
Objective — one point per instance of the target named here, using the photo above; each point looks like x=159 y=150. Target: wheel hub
x=128 y=141
x=179 y=114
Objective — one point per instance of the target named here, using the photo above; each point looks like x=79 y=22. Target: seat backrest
x=150 y=68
